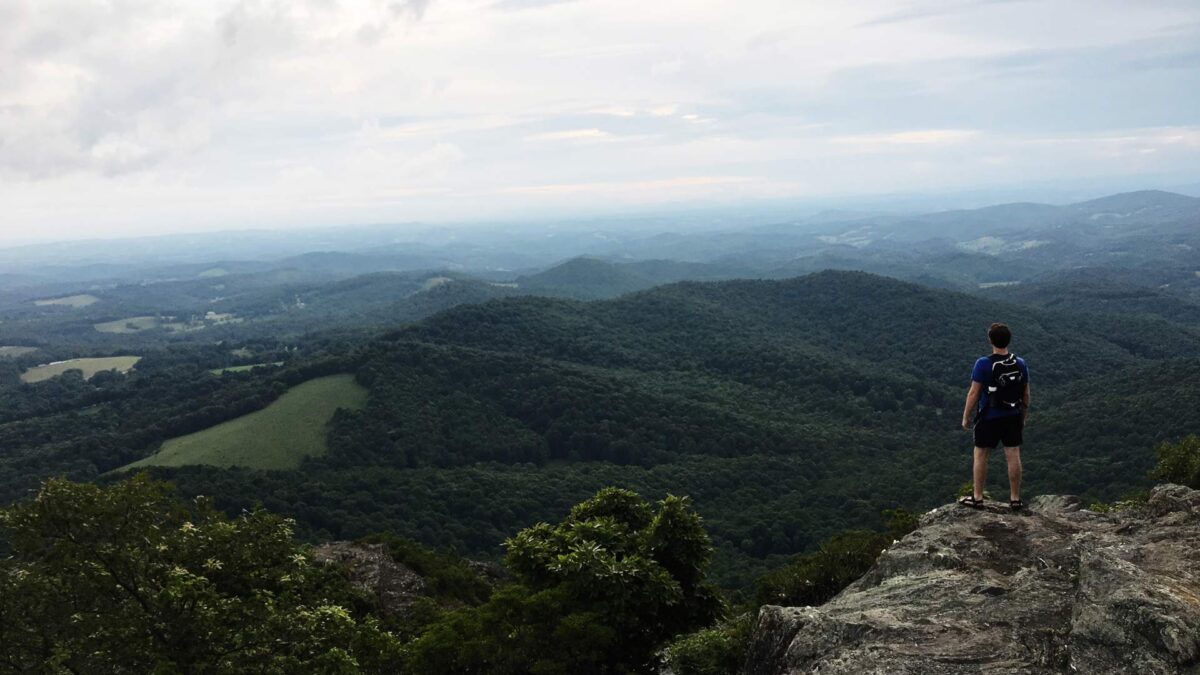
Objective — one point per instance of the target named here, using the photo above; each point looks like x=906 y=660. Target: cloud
x=918 y=137
x=917 y=11
x=175 y=113
x=571 y=135
x=517 y=5
x=414 y=8
x=610 y=188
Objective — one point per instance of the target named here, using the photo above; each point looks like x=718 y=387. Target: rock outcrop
x=371 y=568
x=1054 y=589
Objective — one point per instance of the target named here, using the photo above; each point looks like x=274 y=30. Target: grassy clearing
x=14 y=351
x=434 y=282
x=133 y=324
x=89 y=367
x=276 y=437
x=137 y=324
x=242 y=369
x=76 y=301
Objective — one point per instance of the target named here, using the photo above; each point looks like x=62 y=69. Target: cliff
x=1055 y=589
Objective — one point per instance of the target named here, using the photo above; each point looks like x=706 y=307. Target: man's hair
x=999 y=335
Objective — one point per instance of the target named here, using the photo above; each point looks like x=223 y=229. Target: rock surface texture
x=1054 y=589
x=373 y=570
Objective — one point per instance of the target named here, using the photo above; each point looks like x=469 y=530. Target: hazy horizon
x=141 y=118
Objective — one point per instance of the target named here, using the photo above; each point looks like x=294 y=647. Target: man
x=997 y=407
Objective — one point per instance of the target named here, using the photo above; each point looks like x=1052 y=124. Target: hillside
x=591 y=278
x=585 y=278
x=1171 y=299
x=809 y=398
x=1042 y=253
x=812 y=399
x=1053 y=590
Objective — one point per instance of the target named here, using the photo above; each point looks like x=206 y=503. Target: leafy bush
x=900 y=522
x=600 y=592
x=1130 y=501
x=1179 y=462
x=719 y=650
x=815 y=578
x=128 y=578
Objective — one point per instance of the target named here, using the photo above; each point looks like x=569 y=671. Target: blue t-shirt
x=982 y=373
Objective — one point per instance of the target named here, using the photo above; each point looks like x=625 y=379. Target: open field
x=133 y=324
x=75 y=301
x=241 y=369
x=89 y=367
x=16 y=351
x=276 y=437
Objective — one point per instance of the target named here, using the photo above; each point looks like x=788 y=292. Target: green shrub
x=815 y=578
x=1132 y=500
x=719 y=650
x=1179 y=462
x=968 y=488
x=601 y=592
x=129 y=579
x=900 y=522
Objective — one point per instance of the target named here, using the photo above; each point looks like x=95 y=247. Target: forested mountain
x=1147 y=242
x=788 y=410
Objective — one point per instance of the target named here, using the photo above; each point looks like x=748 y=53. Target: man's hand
x=966 y=424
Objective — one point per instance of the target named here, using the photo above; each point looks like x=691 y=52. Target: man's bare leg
x=1013 y=455
x=980 y=472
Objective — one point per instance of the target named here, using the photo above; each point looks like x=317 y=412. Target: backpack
x=1006 y=390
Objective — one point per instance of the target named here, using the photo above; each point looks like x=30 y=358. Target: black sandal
x=1016 y=504
x=970 y=501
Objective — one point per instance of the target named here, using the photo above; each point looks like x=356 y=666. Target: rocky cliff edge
x=1053 y=589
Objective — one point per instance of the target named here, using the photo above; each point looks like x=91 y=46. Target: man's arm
x=972 y=400
x=1025 y=404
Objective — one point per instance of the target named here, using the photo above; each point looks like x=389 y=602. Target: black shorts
x=1005 y=430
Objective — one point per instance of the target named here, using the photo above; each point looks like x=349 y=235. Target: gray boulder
x=1055 y=589
x=371 y=568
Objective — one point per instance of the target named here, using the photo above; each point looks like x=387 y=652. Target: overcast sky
x=142 y=116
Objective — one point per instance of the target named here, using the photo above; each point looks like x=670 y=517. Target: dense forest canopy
x=790 y=410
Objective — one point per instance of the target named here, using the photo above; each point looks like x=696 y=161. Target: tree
x=128 y=579
x=1179 y=462
x=601 y=592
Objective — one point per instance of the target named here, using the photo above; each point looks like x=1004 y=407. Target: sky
x=122 y=117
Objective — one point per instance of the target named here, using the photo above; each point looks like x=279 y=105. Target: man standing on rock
x=997 y=405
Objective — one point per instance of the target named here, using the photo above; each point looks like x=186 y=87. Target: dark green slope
x=584 y=278
x=786 y=408
x=789 y=410
x=900 y=327
x=1105 y=295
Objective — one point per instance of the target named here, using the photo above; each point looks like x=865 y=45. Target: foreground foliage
x=127 y=579
x=719 y=650
x=815 y=578
x=1179 y=462
x=600 y=592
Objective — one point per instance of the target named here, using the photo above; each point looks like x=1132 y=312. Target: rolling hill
x=788 y=409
